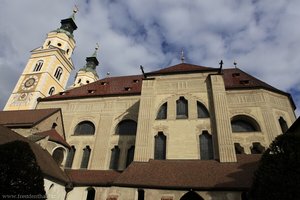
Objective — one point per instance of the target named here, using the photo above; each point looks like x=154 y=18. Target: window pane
x=238 y=148
x=206 y=146
x=160 y=146
x=126 y=127
x=181 y=108
x=58 y=155
x=114 y=159
x=85 y=157
x=85 y=128
x=242 y=126
x=202 y=111
x=70 y=157
x=91 y=194
x=162 y=113
x=130 y=156
x=283 y=125
x=242 y=123
x=141 y=194
x=257 y=148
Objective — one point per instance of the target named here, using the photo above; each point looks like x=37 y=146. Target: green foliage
x=278 y=174
x=20 y=174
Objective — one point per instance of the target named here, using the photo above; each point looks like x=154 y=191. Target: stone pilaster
x=144 y=137
x=222 y=119
x=100 y=160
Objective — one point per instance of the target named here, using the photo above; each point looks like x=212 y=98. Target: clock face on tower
x=29 y=82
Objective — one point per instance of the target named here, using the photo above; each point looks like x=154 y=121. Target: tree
x=278 y=173
x=20 y=174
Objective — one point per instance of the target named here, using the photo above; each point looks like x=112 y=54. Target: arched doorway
x=191 y=196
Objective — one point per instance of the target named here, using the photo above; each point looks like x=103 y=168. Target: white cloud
x=262 y=36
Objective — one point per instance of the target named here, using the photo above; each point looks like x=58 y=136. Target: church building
x=183 y=132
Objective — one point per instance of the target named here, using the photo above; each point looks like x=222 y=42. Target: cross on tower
x=182 y=56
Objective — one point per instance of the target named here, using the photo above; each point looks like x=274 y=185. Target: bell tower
x=88 y=73
x=48 y=68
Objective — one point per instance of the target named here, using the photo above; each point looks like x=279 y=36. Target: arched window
x=130 y=156
x=283 y=124
x=202 y=111
x=70 y=157
x=58 y=73
x=85 y=157
x=114 y=159
x=242 y=123
x=58 y=155
x=160 y=146
x=85 y=128
x=191 y=196
x=181 y=108
x=51 y=91
x=238 y=148
x=206 y=146
x=90 y=193
x=141 y=194
x=257 y=148
x=126 y=127
x=38 y=65
x=162 y=112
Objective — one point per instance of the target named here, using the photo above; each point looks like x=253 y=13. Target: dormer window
x=127 y=88
x=136 y=81
x=244 y=82
x=236 y=74
x=91 y=91
x=104 y=83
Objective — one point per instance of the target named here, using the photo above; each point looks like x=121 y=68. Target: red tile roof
x=112 y=86
x=54 y=136
x=182 y=68
x=190 y=174
x=235 y=78
x=131 y=85
x=92 y=177
x=25 y=118
x=47 y=164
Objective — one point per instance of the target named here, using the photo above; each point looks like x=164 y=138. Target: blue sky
x=263 y=37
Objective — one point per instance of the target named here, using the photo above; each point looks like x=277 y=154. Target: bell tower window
x=51 y=91
x=58 y=73
x=38 y=65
